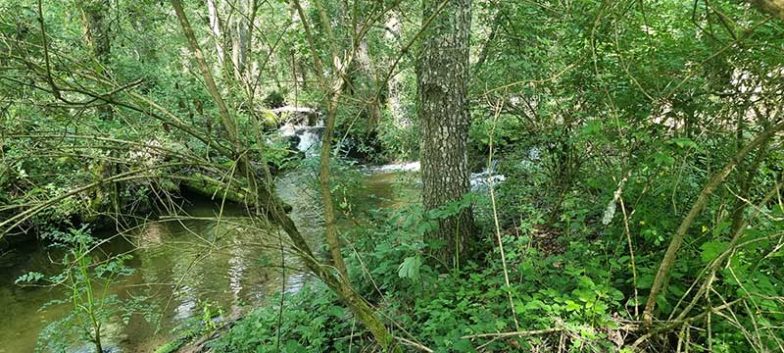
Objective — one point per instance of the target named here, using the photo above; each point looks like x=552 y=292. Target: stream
x=182 y=263
x=191 y=259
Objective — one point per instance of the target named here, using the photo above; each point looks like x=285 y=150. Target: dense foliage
x=640 y=144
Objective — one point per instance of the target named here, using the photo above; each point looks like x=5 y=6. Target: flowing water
x=201 y=257
x=182 y=263
x=302 y=124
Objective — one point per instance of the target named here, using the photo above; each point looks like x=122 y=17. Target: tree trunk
x=217 y=32
x=338 y=282
x=442 y=75
x=239 y=30
x=660 y=281
x=96 y=33
x=772 y=7
x=96 y=28
x=212 y=88
x=231 y=27
x=394 y=31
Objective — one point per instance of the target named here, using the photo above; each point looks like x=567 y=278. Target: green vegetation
x=87 y=283
x=596 y=176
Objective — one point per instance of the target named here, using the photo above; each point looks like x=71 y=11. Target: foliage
x=87 y=283
x=608 y=121
x=549 y=290
x=312 y=320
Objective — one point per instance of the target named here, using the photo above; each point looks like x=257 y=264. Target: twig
x=414 y=344
x=515 y=333
x=495 y=216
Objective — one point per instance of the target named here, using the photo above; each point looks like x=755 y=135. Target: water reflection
x=182 y=262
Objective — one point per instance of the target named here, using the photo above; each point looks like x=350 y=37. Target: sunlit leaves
x=410 y=268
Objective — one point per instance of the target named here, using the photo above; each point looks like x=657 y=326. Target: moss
x=171 y=346
x=216 y=189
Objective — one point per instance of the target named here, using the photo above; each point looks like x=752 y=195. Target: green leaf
x=294 y=346
x=463 y=345
x=30 y=277
x=426 y=227
x=410 y=268
x=683 y=142
x=571 y=305
x=712 y=249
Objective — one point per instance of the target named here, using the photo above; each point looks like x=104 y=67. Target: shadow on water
x=183 y=263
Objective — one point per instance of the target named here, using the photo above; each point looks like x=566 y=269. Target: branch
x=212 y=88
x=515 y=333
x=677 y=240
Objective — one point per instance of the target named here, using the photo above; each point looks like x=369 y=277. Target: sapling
x=86 y=281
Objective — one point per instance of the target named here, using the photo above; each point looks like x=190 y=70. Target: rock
x=297 y=116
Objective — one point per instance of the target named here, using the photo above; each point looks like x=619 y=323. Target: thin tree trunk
x=497 y=19
x=216 y=29
x=662 y=275
x=233 y=35
x=334 y=88
x=362 y=80
x=239 y=30
x=394 y=31
x=442 y=75
x=337 y=282
x=212 y=88
x=334 y=92
x=243 y=163
x=97 y=35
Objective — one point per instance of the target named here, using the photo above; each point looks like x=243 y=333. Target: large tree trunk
x=442 y=75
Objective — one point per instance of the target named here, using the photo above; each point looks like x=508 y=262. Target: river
x=185 y=261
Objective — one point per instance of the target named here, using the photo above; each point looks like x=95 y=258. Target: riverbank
x=191 y=263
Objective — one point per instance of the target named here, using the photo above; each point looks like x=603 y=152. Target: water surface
x=184 y=262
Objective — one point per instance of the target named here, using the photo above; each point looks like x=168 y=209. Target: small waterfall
x=488 y=177
x=303 y=126
x=309 y=139
x=482 y=180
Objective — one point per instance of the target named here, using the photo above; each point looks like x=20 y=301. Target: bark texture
x=96 y=28
x=97 y=34
x=392 y=35
x=772 y=7
x=442 y=75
